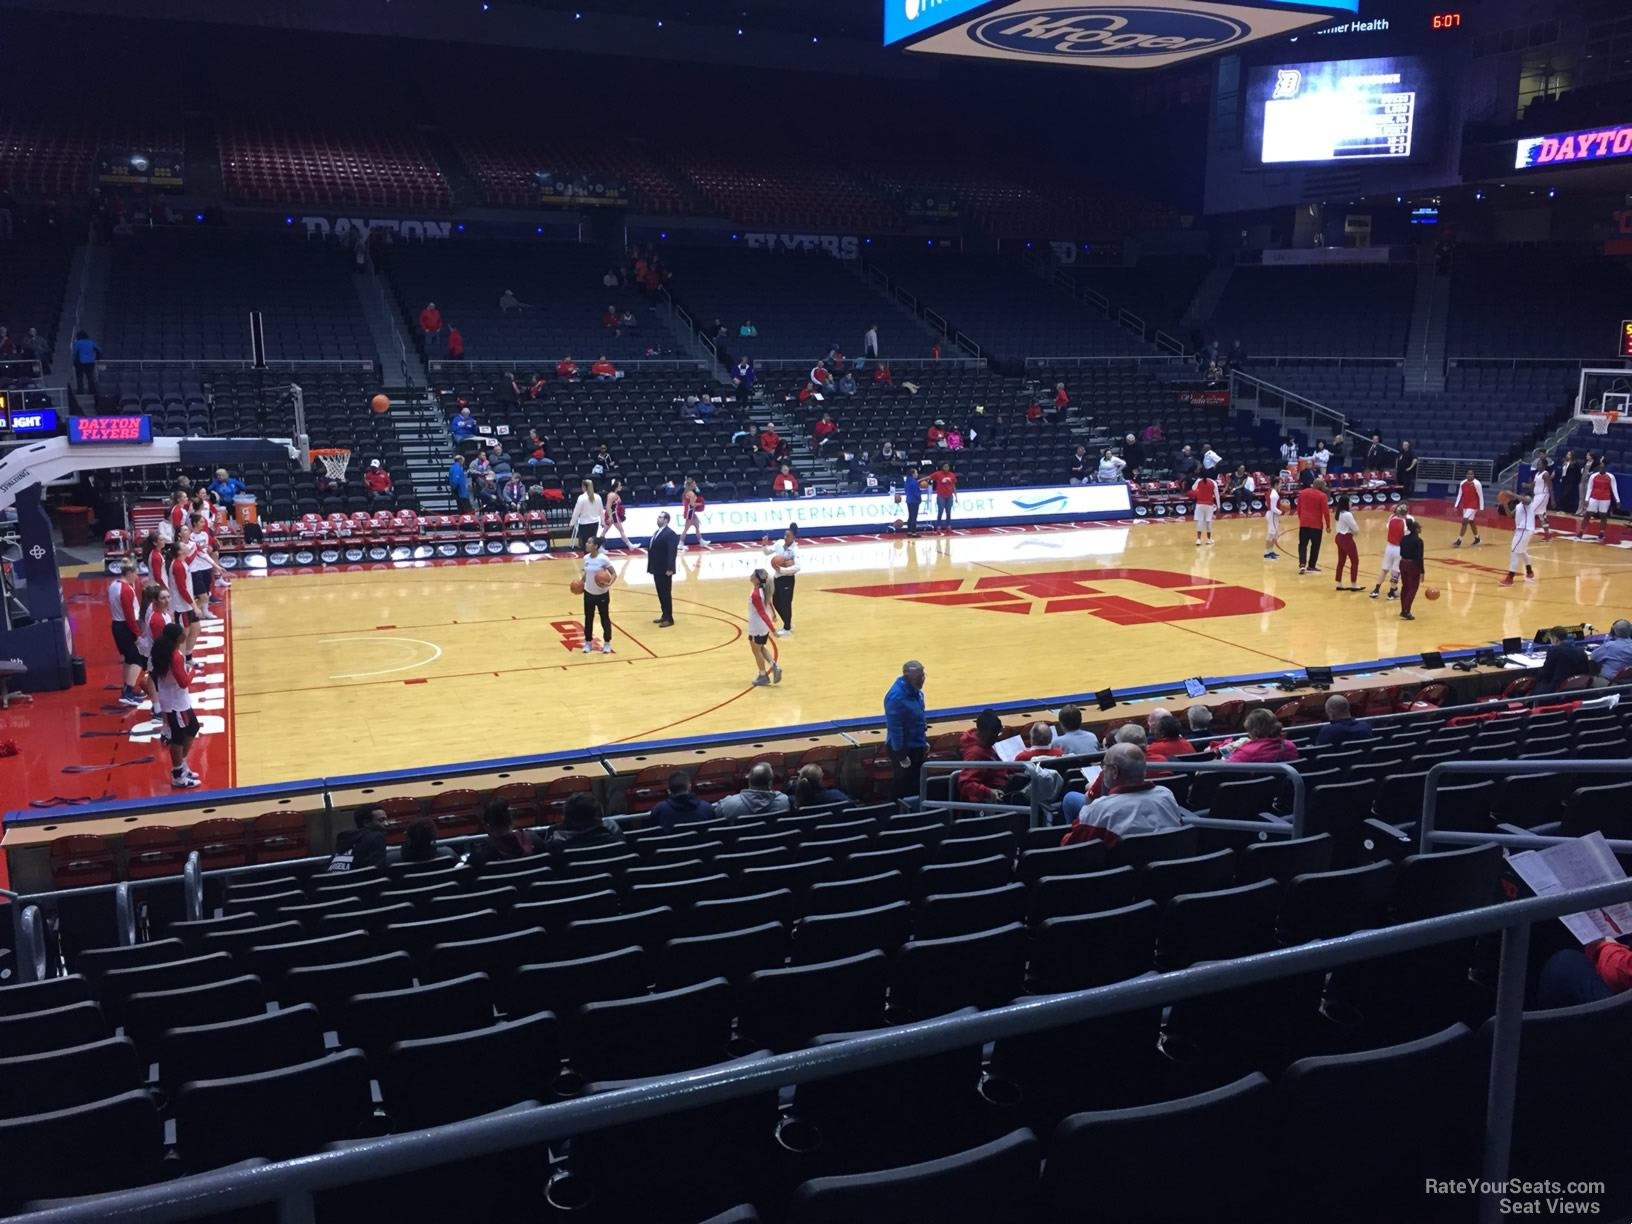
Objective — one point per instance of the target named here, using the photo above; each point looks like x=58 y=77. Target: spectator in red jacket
x=1314 y=518
x=377 y=481
x=936 y=435
x=1041 y=737
x=567 y=369
x=430 y=320
x=611 y=319
x=769 y=440
x=1573 y=976
x=1062 y=401
x=1168 y=740
x=1034 y=413
x=881 y=374
x=824 y=430
x=537 y=386
x=1264 y=741
x=784 y=483
x=982 y=785
x=604 y=371
x=456 y=344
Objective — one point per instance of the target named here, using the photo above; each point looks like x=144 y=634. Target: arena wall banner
x=840 y=246
x=1205 y=398
x=852 y=513
x=344 y=227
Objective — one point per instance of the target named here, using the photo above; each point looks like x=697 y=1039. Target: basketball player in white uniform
x=597 y=598
x=1272 y=522
x=1524 y=526
x=1542 y=470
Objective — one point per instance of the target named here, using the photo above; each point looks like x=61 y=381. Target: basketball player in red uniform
x=153 y=554
x=1205 y=491
x=1391 y=553
x=178 y=512
x=612 y=516
x=691 y=516
x=180 y=585
x=760 y=629
x=1470 y=499
x=174 y=678
x=1602 y=496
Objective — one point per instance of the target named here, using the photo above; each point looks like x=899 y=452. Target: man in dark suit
x=1565 y=658
x=660 y=554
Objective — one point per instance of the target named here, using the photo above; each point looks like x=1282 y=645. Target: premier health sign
x=1130 y=34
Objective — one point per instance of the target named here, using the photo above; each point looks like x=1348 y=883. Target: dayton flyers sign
x=1103 y=592
x=1130 y=34
x=1600 y=144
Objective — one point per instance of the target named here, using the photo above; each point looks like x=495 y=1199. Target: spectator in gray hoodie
x=757 y=800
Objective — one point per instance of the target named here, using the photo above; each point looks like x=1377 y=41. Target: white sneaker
x=606 y=647
x=183 y=781
x=776 y=673
x=589 y=647
x=784 y=633
x=207 y=615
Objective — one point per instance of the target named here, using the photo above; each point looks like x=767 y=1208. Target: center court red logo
x=1075 y=591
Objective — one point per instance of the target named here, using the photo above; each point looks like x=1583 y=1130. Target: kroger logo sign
x=1108 y=33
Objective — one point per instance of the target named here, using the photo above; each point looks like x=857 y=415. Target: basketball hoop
x=1601 y=422
x=335 y=461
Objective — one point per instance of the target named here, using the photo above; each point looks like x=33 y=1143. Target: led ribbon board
x=1564 y=148
x=1127 y=34
x=96 y=430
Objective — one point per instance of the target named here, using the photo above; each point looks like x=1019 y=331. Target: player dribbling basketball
x=597 y=578
x=759 y=632
x=1524 y=526
x=1395 y=535
x=1205 y=492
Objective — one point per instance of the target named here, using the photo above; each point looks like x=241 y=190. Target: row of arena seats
x=452 y=993
x=269 y=157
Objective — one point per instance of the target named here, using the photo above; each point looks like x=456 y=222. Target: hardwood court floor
x=372 y=670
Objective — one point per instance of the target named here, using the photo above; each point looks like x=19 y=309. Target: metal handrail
x=192 y=885
x=1429 y=836
x=31 y=944
x=1033 y=805
x=1293 y=828
x=292 y=1183
x=124 y=914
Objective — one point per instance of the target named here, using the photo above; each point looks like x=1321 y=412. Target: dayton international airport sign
x=1129 y=34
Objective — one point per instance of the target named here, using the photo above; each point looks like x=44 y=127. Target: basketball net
x=1601 y=421
x=335 y=462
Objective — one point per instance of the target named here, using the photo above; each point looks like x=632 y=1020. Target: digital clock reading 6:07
x=1445 y=21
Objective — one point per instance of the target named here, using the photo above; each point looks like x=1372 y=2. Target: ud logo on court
x=1108 y=33
x=1185 y=596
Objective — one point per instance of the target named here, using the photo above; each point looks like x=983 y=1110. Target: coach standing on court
x=660 y=554
x=787 y=551
x=905 y=737
x=1314 y=518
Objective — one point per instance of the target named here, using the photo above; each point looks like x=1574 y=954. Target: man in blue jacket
x=459 y=484
x=904 y=734
x=914 y=493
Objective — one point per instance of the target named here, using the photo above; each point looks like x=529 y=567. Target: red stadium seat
x=279 y=835
x=80 y=860
x=221 y=842
x=152 y=851
x=456 y=813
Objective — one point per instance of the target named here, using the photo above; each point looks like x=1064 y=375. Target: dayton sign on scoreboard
x=1126 y=34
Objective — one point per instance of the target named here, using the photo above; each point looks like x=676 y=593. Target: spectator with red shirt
x=1062 y=400
x=1041 y=737
x=823 y=431
x=1169 y=739
x=456 y=344
x=604 y=371
x=1572 y=976
x=936 y=435
x=610 y=319
x=377 y=481
x=1131 y=804
x=982 y=785
x=567 y=369
x=935 y=351
x=1034 y=412
x=784 y=483
x=945 y=483
x=1314 y=519
x=821 y=377
x=881 y=374
x=430 y=321
x=769 y=440
x=1264 y=742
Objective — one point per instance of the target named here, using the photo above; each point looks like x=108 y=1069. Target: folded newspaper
x=1579 y=863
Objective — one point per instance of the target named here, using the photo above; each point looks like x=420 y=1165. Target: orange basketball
x=1285 y=506
x=577 y=586
x=605 y=578
x=780 y=562
x=1430 y=592
x=380 y=403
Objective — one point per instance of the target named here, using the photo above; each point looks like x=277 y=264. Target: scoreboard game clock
x=1624 y=348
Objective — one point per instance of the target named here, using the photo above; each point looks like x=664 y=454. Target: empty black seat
x=327 y=987
x=292 y=1111
x=94 y=962
x=962 y=875
x=1145 y=848
x=731 y=955
x=418 y=938
x=1062 y=896
x=935 y=976
x=430 y=1081
x=373 y=921
x=643 y=928
x=1217 y=925
x=43 y=996
x=1165 y=879
x=616 y=1037
x=1088 y=950
x=996 y=1181
x=783 y=1009
x=111 y=1144
x=239 y=939
x=1325 y=904
x=1282 y=858
x=736 y=913
x=497 y=956
x=238 y=1047
x=554 y=913
x=1078 y=859
x=149 y=1013
x=825 y=937
x=964 y=913
x=373 y=1021
x=66 y=1078
x=841 y=896
x=1221 y=1132
x=271 y=961
x=564 y=986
